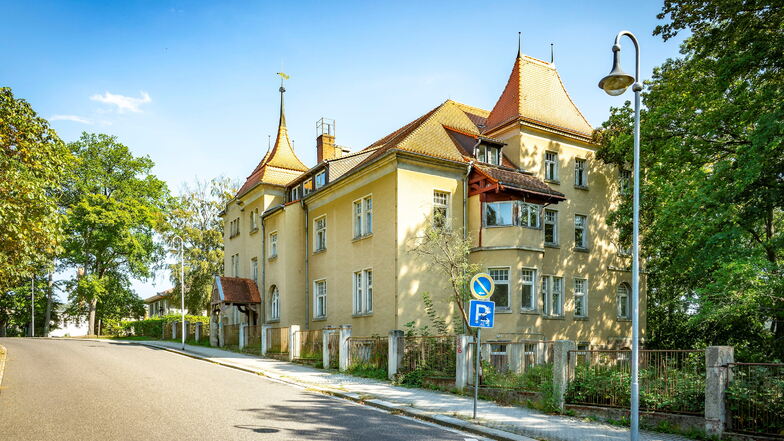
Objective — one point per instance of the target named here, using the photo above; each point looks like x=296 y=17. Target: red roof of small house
x=235 y=290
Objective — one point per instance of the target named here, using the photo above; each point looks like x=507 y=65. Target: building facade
x=332 y=244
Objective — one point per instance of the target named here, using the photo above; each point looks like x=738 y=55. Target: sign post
x=481 y=314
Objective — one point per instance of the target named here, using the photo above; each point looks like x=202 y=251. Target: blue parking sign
x=481 y=314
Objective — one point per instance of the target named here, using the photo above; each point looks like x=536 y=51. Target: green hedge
x=152 y=327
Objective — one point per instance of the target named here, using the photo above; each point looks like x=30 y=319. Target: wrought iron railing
x=755 y=398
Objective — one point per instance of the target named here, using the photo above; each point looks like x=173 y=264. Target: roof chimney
x=325 y=142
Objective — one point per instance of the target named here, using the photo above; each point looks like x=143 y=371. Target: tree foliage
x=33 y=163
x=448 y=253
x=114 y=208
x=712 y=182
x=195 y=217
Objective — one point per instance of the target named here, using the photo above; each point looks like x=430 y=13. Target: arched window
x=623 y=298
x=274 y=303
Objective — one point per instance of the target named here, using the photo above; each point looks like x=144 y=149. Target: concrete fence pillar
x=462 y=361
x=221 y=334
x=293 y=342
x=561 y=370
x=213 y=332
x=264 y=342
x=717 y=377
x=395 y=348
x=325 y=334
x=197 y=332
x=345 y=334
x=514 y=353
x=243 y=336
x=174 y=329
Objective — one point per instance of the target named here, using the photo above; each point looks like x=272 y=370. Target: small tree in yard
x=447 y=251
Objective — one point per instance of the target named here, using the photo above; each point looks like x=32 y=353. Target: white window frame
x=581 y=297
x=443 y=205
x=554 y=223
x=363 y=219
x=254 y=268
x=320 y=234
x=532 y=305
x=581 y=172
x=273 y=244
x=584 y=229
x=362 y=291
x=523 y=214
x=623 y=299
x=551 y=166
x=235 y=265
x=319 y=296
x=508 y=270
x=275 y=303
x=548 y=291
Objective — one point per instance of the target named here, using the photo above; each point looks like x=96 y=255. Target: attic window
x=488 y=154
x=321 y=179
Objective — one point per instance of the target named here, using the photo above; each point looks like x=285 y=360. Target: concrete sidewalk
x=494 y=420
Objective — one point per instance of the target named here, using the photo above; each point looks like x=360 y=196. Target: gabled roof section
x=280 y=165
x=536 y=94
x=428 y=134
x=235 y=290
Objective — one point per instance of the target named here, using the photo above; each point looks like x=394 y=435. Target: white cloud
x=123 y=103
x=74 y=118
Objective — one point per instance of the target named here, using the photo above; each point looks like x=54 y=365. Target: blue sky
x=194 y=86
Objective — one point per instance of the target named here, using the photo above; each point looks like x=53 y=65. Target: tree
x=33 y=163
x=114 y=208
x=195 y=217
x=712 y=187
x=448 y=252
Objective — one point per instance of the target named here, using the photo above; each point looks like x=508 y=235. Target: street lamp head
x=617 y=81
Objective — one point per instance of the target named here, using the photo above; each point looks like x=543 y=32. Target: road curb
x=437 y=419
x=3 y=353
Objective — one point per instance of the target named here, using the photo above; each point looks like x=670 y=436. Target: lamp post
x=182 y=288
x=616 y=83
x=32 y=306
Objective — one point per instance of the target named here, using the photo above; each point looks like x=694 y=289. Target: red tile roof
x=235 y=290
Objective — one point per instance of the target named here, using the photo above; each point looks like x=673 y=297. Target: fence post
x=213 y=331
x=264 y=343
x=197 y=331
x=325 y=334
x=462 y=361
x=394 y=352
x=717 y=376
x=345 y=334
x=293 y=342
x=221 y=334
x=187 y=329
x=243 y=327
x=514 y=353
x=561 y=350
x=174 y=330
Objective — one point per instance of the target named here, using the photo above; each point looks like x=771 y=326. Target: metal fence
x=670 y=380
x=515 y=365
x=436 y=355
x=277 y=340
x=334 y=350
x=231 y=335
x=368 y=353
x=755 y=398
x=310 y=345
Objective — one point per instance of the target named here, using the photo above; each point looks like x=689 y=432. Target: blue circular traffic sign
x=482 y=286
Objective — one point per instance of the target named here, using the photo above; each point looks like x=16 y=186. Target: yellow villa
x=331 y=244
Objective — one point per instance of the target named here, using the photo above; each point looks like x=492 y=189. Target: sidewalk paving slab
x=494 y=420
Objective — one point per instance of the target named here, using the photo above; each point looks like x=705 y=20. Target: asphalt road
x=83 y=390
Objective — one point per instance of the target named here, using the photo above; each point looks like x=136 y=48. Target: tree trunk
x=48 y=314
x=91 y=317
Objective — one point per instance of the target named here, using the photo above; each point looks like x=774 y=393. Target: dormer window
x=321 y=179
x=489 y=154
x=295 y=193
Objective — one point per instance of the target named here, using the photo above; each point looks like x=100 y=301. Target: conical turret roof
x=536 y=94
x=280 y=165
